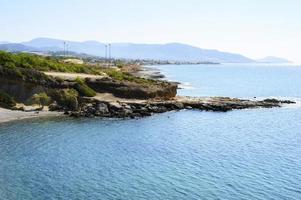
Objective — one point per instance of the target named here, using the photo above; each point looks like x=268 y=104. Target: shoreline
x=108 y=106
x=14 y=115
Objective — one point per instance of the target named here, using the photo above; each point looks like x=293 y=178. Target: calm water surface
x=248 y=154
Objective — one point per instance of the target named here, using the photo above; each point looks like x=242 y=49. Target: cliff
x=133 y=90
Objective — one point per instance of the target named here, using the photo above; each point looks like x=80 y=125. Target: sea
x=185 y=155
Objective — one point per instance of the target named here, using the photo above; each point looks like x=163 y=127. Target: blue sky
x=255 y=28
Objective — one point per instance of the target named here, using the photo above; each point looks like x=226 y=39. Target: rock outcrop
x=133 y=90
x=134 y=109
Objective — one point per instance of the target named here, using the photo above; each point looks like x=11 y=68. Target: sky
x=254 y=28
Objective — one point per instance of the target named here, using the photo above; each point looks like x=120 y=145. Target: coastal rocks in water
x=134 y=109
x=279 y=101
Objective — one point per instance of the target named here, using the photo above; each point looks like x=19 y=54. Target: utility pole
x=109 y=51
x=67 y=49
x=64 y=48
x=110 y=55
x=106 y=47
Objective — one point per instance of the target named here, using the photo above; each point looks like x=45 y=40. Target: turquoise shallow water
x=247 y=154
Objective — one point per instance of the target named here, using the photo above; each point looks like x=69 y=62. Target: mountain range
x=166 y=52
x=273 y=59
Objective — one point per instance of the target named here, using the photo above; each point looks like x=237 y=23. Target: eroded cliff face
x=132 y=90
x=20 y=90
x=21 y=84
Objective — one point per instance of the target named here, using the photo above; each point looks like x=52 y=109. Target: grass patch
x=83 y=89
x=123 y=76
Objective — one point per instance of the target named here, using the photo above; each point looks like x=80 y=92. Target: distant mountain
x=14 y=47
x=272 y=59
x=170 y=52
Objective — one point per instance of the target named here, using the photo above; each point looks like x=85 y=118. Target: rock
x=115 y=106
x=134 y=109
x=102 y=108
x=54 y=107
x=75 y=114
x=287 y=102
x=178 y=105
x=126 y=106
x=91 y=109
x=67 y=113
x=271 y=101
x=127 y=112
x=276 y=101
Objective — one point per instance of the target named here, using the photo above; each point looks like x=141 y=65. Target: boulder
x=102 y=108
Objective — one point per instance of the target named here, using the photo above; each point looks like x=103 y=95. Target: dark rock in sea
x=279 y=101
x=136 y=109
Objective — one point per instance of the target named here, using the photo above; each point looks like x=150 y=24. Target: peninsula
x=60 y=84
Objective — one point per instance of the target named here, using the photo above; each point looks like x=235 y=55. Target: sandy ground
x=73 y=76
x=10 y=115
x=109 y=97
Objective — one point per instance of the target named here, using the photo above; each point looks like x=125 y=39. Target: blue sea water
x=245 y=154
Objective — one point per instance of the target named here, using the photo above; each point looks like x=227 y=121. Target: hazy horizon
x=255 y=29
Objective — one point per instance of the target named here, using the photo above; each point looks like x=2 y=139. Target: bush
x=83 y=88
x=26 y=75
x=41 y=99
x=6 y=101
x=66 y=98
x=123 y=76
x=41 y=63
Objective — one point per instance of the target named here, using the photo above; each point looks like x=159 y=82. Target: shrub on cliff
x=123 y=76
x=66 y=98
x=6 y=101
x=41 y=63
x=42 y=99
x=27 y=75
x=83 y=88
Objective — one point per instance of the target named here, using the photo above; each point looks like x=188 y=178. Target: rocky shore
x=84 y=90
x=119 y=108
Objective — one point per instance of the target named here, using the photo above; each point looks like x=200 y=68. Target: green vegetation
x=6 y=101
x=119 y=64
x=123 y=76
x=25 y=66
x=28 y=69
x=83 y=89
x=66 y=98
x=41 y=63
x=26 y=75
x=42 y=99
